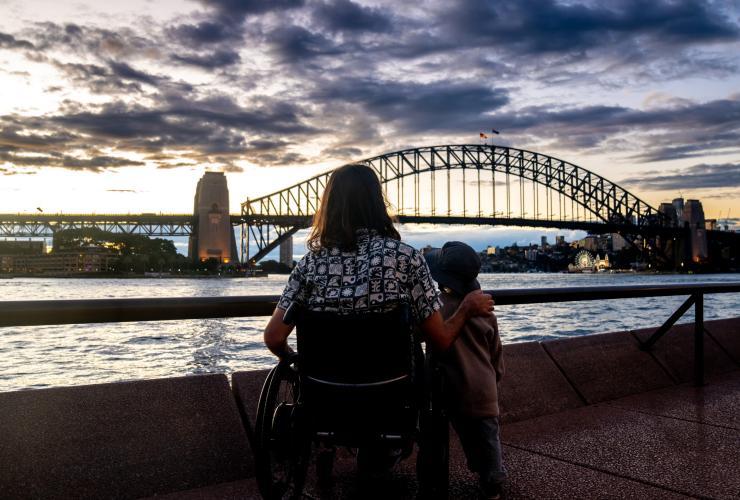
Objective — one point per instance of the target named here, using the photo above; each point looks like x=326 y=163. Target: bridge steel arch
x=597 y=204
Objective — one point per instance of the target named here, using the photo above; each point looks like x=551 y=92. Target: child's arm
x=497 y=358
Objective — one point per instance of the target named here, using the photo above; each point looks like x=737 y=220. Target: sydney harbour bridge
x=451 y=184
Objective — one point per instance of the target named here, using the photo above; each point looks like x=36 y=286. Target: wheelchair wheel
x=282 y=449
x=433 y=459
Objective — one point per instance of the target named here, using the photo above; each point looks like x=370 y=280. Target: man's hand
x=477 y=303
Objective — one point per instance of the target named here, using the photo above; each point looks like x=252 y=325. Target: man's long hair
x=352 y=200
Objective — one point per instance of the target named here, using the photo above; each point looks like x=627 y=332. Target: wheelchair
x=359 y=381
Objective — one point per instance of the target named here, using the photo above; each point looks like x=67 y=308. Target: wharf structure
x=598 y=416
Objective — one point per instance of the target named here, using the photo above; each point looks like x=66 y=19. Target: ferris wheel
x=584 y=260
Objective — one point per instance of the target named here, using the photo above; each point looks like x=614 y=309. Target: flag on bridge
x=494 y=131
x=483 y=136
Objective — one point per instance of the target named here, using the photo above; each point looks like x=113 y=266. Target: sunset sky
x=121 y=106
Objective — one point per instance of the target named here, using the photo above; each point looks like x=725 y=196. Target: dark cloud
x=295 y=44
x=58 y=160
x=10 y=42
x=123 y=70
x=267 y=144
x=418 y=107
x=93 y=41
x=241 y=8
x=702 y=176
x=12 y=140
x=98 y=163
x=206 y=32
x=99 y=79
x=232 y=168
x=277 y=157
x=214 y=129
x=167 y=166
x=344 y=152
x=367 y=78
x=547 y=26
x=214 y=60
x=345 y=15
x=658 y=134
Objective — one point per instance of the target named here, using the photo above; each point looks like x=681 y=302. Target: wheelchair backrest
x=356 y=348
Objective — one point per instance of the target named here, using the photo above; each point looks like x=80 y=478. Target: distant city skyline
x=122 y=107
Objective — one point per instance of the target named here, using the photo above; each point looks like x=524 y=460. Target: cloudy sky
x=121 y=106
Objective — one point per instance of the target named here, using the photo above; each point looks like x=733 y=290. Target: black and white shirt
x=381 y=273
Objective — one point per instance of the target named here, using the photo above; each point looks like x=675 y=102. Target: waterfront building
x=693 y=215
x=12 y=250
x=590 y=243
x=90 y=260
x=212 y=235
x=559 y=240
x=23 y=247
x=602 y=264
x=490 y=250
x=543 y=241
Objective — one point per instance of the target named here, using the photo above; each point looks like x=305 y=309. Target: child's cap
x=455 y=266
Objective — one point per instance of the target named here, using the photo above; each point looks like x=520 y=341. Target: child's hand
x=477 y=303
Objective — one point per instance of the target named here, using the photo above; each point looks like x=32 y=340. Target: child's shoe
x=493 y=491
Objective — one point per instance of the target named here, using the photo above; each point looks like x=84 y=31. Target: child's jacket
x=472 y=365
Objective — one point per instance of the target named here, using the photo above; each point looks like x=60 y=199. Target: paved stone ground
x=675 y=442
x=671 y=443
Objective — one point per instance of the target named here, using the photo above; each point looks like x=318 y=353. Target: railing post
x=699 y=339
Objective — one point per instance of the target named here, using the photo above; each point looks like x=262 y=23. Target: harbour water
x=35 y=357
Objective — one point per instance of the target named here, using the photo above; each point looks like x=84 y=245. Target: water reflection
x=35 y=357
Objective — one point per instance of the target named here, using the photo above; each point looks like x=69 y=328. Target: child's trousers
x=481 y=442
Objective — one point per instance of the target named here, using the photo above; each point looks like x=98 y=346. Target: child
x=471 y=367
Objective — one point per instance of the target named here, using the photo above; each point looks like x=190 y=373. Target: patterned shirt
x=381 y=273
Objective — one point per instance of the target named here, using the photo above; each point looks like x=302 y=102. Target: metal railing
x=60 y=312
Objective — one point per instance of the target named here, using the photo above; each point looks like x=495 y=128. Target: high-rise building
x=543 y=241
x=678 y=207
x=670 y=211
x=693 y=215
x=286 y=252
x=559 y=240
x=618 y=242
x=212 y=235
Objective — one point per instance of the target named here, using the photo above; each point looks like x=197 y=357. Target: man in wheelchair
x=361 y=301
